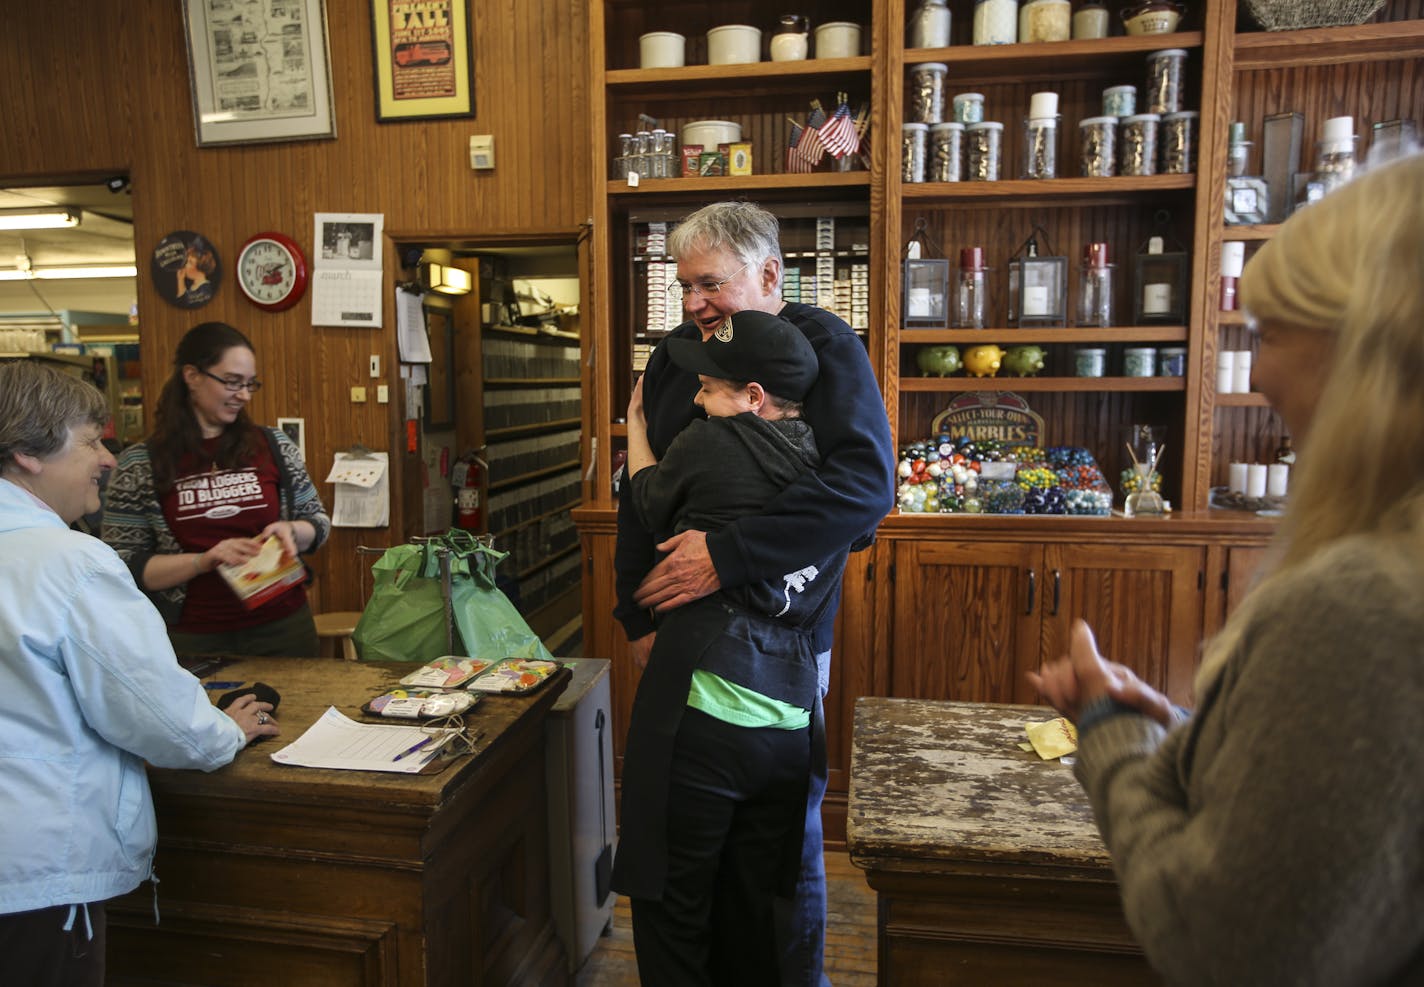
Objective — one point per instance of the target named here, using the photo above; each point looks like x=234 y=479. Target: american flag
x=838 y=134
x=804 y=150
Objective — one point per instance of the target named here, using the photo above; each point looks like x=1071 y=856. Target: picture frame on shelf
x=423 y=69
x=296 y=429
x=237 y=98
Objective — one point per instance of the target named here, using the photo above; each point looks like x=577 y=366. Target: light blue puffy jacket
x=89 y=691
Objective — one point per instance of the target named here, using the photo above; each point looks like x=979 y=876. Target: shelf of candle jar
x=533 y=428
x=699 y=188
x=1252 y=399
x=1051 y=61
x=1397 y=40
x=735 y=80
x=625 y=20
x=1051 y=334
x=530 y=331
x=1255 y=232
x=1031 y=193
x=538 y=474
x=954 y=384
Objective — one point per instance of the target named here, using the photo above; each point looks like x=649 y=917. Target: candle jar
x=1165 y=71
x=1137 y=144
x=1090 y=21
x=1172 y=361
x=969 y=108
x=912 y=151
x=1120 y=101
x=946 y=162
x=971 y=290
x=1040 y=147
x=1095 y=293
x=1139 y=361
x=929 y=25
x=926 y=92
x=995 y=22
x=1089 y=361
x=1045 y=20
x=1097 y=146
x=1179 y=147
x=984 y=141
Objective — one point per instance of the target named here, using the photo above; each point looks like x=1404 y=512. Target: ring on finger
x=261 y=718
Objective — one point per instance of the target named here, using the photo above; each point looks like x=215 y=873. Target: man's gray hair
x=39 y=406
x=743 y=228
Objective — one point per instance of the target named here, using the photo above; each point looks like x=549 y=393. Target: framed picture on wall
x=259 y=72
x=422 y=53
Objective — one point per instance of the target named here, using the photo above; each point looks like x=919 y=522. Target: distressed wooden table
x=271 y=874
x=985 y=858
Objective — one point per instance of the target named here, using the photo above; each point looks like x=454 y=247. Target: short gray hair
x=744 y=228
x=39 y=406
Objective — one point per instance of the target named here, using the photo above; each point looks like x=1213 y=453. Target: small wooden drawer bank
x=986 y=861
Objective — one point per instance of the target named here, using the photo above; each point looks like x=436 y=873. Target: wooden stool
x=339 y=624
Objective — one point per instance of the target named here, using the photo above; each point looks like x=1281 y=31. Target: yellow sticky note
x=1052 y=738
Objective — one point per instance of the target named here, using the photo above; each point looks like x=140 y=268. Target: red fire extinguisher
x=468 y=479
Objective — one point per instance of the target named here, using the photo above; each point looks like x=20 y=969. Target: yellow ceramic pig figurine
x=983 y=361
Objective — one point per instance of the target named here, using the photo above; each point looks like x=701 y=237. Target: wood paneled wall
x=91 y=88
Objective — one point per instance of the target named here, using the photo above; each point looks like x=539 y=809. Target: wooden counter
x=302 y=876
x=986 y=860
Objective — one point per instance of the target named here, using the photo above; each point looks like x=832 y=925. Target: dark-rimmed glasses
x=233 y=385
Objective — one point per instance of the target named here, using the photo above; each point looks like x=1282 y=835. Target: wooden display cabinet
x=954 y=620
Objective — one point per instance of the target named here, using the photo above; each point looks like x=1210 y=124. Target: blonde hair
x=1351 y=264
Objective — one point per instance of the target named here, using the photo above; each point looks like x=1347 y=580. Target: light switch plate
x=375 y=365
x=383 y=394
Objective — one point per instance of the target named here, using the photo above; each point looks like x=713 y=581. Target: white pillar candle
x=1241 y=372
x=1277 y=477
x=1236 y=482
x=1043 y=106
x=1225 y=372
x=1256 y=480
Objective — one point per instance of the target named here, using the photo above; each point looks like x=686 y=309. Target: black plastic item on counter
x=264 y=693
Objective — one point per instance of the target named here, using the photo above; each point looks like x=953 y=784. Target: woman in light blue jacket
x=89 y=690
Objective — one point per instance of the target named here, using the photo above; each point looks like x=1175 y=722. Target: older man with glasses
x=729 y=260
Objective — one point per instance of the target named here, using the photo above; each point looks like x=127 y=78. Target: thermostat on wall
x=482 y=151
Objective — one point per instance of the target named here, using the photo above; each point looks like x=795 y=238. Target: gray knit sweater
x=1277 y=837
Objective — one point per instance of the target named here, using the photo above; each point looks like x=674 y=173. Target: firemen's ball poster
x=422 y=51
x=346 y=269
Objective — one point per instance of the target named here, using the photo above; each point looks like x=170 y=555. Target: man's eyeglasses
x=234 y=384
x=707 y=289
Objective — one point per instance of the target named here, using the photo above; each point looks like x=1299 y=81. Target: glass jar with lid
x=929 y=25
x=1045 y=20
x=995 y=22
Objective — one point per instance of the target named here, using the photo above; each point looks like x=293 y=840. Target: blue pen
x=412 y=749
x=221 y=685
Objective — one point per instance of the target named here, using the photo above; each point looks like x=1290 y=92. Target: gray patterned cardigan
x=135 y=527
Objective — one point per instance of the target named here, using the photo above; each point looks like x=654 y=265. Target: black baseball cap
x=753 y=346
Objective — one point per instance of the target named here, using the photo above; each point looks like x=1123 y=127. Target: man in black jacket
x=729 y=260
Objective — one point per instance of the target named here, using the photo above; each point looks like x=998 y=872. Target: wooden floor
x=850 y=934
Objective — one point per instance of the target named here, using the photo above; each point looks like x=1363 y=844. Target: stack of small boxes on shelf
x=664 y=311
x=826 y=263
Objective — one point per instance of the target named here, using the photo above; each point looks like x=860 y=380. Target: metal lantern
x=1160 y=287
x=926 y=301
x=1038 y=286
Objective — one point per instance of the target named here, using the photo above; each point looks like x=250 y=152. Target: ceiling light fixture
x=37 y=219
x=65 y=273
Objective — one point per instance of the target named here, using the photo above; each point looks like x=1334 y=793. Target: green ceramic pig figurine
x=937 y=361
x=1023 y=361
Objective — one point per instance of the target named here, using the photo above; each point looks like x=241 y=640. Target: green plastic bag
x=405 y=618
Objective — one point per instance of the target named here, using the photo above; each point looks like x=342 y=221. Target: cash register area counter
x=296 y=876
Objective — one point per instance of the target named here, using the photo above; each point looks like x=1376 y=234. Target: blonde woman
x=1277 y=836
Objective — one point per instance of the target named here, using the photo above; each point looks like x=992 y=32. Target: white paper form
x=410 y=327
x=363 y=490
x=337 y=741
